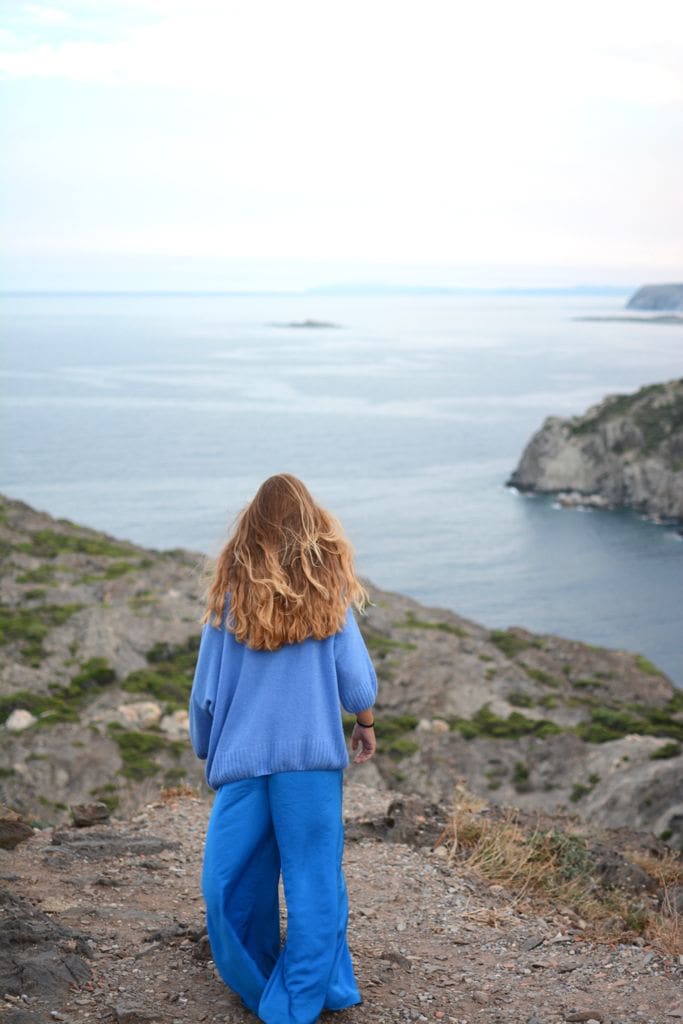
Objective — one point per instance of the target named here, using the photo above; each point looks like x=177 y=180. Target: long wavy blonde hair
x=288 y=568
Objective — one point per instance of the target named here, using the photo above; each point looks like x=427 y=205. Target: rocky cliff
x=100 y=636
x=657 y=296
x=626 y=451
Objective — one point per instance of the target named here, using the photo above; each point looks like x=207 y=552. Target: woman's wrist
x=365 y=725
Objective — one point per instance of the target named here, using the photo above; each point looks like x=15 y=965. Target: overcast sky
x=286 y=143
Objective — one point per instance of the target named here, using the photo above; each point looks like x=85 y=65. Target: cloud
x=439 y=51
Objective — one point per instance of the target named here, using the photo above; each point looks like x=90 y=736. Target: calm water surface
x=155 y=418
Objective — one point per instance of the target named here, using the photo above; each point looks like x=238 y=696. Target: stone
x=132 y=1013
x=13 y=829
x=140 y=713
x=176 y=725
x=19 y=720
x=94 y=813
x=35 y=957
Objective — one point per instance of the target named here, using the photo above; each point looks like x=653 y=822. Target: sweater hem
x=233 y=765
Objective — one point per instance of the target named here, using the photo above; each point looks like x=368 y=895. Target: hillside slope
x=100 y=636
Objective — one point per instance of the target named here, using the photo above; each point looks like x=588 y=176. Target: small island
x=308 y=324
x=624 y=452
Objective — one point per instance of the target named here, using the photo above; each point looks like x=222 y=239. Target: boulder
x=19 y=720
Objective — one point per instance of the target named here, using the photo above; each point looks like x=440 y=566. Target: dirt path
x=429 y=943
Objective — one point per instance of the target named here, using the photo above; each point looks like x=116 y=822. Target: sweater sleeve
x=204 y=688
x=356 y=676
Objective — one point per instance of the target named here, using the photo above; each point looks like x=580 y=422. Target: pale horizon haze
x=212 y=145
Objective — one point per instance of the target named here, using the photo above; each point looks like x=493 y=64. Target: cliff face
x=657 y=296
x=627 y=451
x=99 y=640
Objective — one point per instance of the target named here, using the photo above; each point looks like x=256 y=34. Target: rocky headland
x=513 y=852
x=657 y=297
x=624 y=452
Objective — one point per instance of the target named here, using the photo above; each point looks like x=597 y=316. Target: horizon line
x=332 y=290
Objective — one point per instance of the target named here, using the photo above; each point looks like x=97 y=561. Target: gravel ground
x=107 y=925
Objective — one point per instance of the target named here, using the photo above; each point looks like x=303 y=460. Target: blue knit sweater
x=258 y=712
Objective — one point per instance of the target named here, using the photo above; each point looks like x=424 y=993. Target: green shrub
x=485 y=722
x=545 y=678
x=170 y=677
x=412 y=622
x=645 y=665
x=50 y=543
x=579 y=790
x=568 y=853
x=607 y=724
x=668 y=750
x=108 y=795
x=63 y=703
x=30 y=626
x=509 y=643
x=400 y=747
x=520 y=699
x=136 y=750
x=380 y=645
x=610 y=723
x=520 y=777
x=44 y=573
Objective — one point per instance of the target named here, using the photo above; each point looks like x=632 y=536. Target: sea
x=155 y=417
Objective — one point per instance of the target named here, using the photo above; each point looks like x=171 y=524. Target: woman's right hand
x=365 y=739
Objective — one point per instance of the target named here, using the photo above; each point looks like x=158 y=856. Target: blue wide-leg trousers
x=289 y=822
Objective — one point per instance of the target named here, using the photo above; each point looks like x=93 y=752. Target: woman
x=280 y=650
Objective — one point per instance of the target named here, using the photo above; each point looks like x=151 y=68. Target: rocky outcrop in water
x=99 y=640
x=657 y=296
x=626 y=451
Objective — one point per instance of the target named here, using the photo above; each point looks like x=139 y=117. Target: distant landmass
x=627 y=451
x=657 y=297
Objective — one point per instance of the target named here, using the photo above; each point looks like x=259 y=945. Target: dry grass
x=555 y=867
x=171 y=793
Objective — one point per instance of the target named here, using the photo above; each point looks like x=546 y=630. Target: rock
x=176 y=725
x=574 y=499
x=19 y=1015
x=614 y=871
x=32 y=959
x=13 y=829
x=626 y=451
x=141 y=713
x=19 y=720
x=132 y=1013
x=83 y=815
x=657 y=296
x=101 y=845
